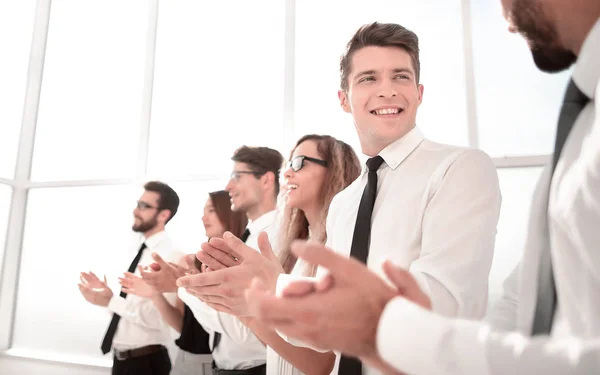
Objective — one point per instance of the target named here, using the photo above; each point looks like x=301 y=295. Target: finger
x=264 y=305
x=105 y=282
x=324 y=283
x=223 y=257
x=221 y=308
x=340 y=267
x=205 y=279
x=93 y=276
x=131 y=276
x=154 y=267
x=178 y=268
x=159 y=260
x=87 y=277
x=224 y=246
x=209 y=291
x=406 y=284
x=190 y=260
x=299 y=288
x=208 y=260
x=264 y=245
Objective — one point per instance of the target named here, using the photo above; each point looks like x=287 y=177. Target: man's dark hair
x=260 y=160
x=380 y=35
x=167 y=197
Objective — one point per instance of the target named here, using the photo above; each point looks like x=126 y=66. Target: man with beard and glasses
x=556 y=323
x=136 y=333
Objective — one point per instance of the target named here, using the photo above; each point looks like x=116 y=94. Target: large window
x=90 y=107
x=5 y=194
x=67 y=231
x=16 y=28
x=517 y=105
x=218 y=83
x=517 y=186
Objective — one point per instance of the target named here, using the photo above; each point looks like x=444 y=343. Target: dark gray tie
x=360 y=244
x=112 y=327
x=573 y=104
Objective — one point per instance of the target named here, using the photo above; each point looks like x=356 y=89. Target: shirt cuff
x=117 y=305
x=417 y=341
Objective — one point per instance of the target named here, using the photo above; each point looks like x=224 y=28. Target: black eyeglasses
x=235 y=175
x=297 y=163
x=143 y=205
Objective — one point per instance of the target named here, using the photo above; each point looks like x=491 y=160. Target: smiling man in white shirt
x=137 y=334
x=436 y=206
x=555 y=307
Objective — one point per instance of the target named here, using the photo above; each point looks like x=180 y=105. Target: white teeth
x=387 y=111
x=292 y=186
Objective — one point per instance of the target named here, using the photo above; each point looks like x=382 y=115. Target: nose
x=228 y=187
x=289 y=172
x=387 y=89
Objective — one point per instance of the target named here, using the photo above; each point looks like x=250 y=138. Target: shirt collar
x=586 y=73
x=155 y=239
x=260 y=224
x=395 y=153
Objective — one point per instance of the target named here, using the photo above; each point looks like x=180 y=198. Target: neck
x=312 y=216
x=156 y=229
x=575 y=31
x=260 y=209
x=372 y=146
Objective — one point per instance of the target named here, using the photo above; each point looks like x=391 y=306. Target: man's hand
x=132 y=284
x=162 y=276
x=339 y=312
x=233 y=265
x=94 y=290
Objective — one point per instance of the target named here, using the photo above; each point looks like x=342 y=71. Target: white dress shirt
x=419 y=342
x=141 y=323
x=239 y=348
x=435 y=214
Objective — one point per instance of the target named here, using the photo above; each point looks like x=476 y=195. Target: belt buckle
x=121 y=355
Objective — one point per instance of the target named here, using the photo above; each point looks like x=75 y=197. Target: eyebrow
x=397 y=70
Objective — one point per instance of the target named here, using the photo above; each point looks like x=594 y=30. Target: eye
x=367 y=79
x=401 y=76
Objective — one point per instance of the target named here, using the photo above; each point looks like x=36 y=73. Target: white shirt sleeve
x=503 y=314
x=417 y=341
x=459 y=230
x=217 y=321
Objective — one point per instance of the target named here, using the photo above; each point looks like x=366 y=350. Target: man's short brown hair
x=380 y=35
x=260 y=160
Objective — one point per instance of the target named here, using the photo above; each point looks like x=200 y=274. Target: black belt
x=258 y=370
x=138 y=352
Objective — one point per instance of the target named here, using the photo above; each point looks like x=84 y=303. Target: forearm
x=170 y=314
x=308 y=361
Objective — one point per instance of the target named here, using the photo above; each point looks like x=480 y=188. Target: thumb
x=264 y=245
x=406 y=284
x=105 y=282
x=158 y=259
x=240 y=249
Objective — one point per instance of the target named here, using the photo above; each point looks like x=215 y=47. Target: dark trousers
x=157 y=363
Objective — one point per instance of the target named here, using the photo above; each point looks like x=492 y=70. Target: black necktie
x=217 y=335
x=112 y=327
x=360 y=244
x=573 y=104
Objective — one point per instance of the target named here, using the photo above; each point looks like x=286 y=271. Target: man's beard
x=532 y=22
x=145 y=226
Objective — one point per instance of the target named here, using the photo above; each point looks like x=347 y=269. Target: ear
x=344 y=101
x=164 y=215
x=268 y=178
x=420 y=90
